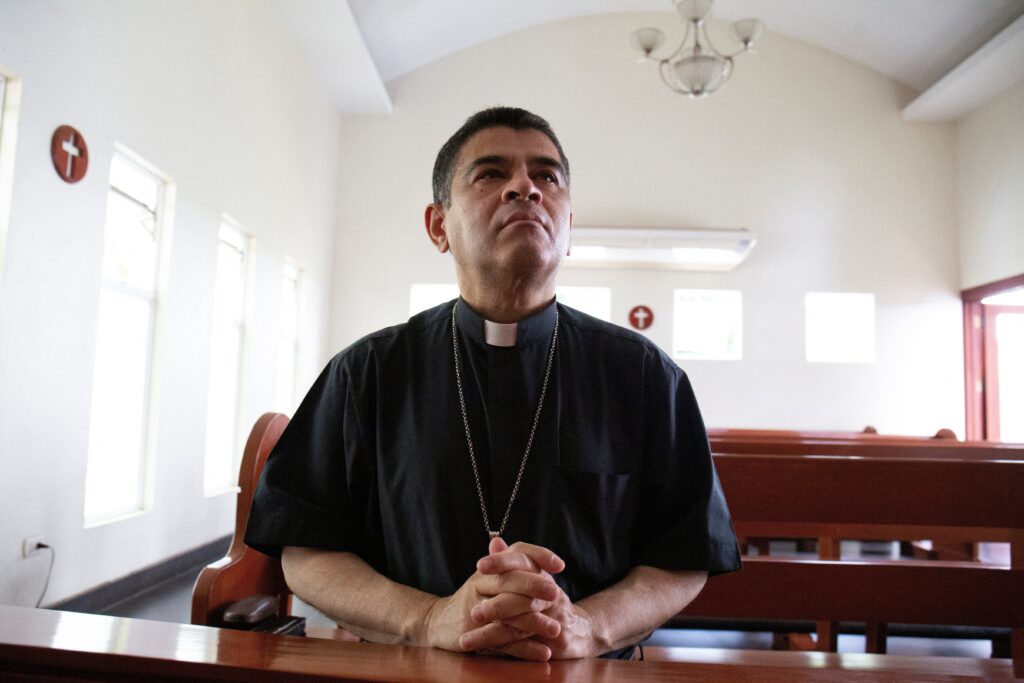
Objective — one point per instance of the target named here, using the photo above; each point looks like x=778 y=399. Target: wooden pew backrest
x=244 y=572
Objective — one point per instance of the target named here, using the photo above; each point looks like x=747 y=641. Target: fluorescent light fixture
x=660 y=248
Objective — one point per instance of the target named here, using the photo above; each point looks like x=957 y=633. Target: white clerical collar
x=500 y=334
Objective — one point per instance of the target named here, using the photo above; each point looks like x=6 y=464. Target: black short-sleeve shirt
x=620 y=474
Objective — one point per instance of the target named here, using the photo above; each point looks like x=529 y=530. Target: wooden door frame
x=974 y=353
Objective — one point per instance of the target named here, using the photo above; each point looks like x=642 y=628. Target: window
x=840 y=327
x=121 y=421
x=9 y=98
x=1008 y=370
x=424 y=296
x=288 y=339
x=595 y=301
x=707 y=324
x=223 y=413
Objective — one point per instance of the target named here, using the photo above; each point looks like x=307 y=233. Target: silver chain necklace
x=469 y=438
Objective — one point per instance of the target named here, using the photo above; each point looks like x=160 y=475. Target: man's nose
x=521 y=186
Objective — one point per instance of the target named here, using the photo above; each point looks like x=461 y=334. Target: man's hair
x=510 y=117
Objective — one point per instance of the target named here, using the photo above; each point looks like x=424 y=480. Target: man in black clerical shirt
x=501 y=473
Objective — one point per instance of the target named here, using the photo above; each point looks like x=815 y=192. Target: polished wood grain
x=44 y=645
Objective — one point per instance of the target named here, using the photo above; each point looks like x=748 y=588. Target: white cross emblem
x=72 y=151
x=640 y=316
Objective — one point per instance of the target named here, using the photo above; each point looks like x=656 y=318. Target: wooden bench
x=835 y=497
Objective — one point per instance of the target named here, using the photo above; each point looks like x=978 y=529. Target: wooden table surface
x=46 y=645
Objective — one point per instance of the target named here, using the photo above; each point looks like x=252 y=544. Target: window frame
x=155 y=298
x=10 y=106
x=243 y=323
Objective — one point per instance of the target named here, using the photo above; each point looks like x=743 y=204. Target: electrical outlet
x=30 y=546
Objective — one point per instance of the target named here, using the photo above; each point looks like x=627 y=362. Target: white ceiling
x=915 y=42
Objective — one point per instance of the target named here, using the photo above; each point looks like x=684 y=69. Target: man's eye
x=548 y=176
x=489 y=173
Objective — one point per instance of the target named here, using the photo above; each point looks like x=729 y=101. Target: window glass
x=130 y=246
x=133 y=181
x=707 y=324
x=840 y=327
x=595 y=301
x=226 y=350
x=9 y=105
x=1010 y=365
x=122 y=373
x=424 y=296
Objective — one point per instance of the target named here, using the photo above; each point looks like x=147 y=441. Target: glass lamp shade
x=748 y=31
x=694 y=10
x=701 y=74
x=647 y=40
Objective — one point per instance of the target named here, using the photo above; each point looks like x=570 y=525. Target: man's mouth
x=524 y=217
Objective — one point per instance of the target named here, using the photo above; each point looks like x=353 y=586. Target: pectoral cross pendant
x=493 y=534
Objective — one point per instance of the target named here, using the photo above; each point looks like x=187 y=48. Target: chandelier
x=696 y=68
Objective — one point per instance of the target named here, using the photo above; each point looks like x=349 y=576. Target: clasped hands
x=511 y=605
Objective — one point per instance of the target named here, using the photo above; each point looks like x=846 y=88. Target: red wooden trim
x=981 y=291
x=974 y=369
x=974 y=355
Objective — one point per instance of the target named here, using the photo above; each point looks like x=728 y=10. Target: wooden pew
x=837 y=497
x=770 y=442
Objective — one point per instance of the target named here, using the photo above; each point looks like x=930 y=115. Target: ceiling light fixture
x=696 y=68
x=715 y=250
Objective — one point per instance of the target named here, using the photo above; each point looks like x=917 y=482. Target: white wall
x=214 y=96
x=803 y=147
x=990 y=159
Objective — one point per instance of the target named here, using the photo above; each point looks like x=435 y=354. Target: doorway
x=994 y=360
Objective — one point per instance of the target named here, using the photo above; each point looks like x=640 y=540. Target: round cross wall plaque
x=70 y=154
x=641 y=317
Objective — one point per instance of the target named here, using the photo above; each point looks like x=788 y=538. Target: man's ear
x=433 y=217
